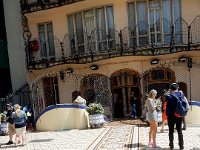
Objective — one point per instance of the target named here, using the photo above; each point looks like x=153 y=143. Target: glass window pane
x=41 y=28
x=131 y=15
x=110 y=18
x=142 y=17
x=51 y=43
x=166 y=10
x=142 y=11
x=79 y=31
x=49 y=26
x=42 y=43
x=71 y=34
x=100 y=17
x=177 y=10
x=70 y=26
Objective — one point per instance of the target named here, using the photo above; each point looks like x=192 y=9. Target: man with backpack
x=176 y=109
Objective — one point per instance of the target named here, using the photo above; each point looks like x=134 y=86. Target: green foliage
x=3 y=117
x=94 y=108
x=158 y=105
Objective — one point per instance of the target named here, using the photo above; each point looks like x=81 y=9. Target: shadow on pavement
x=40 y=140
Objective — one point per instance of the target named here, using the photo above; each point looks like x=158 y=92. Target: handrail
x=125 y=42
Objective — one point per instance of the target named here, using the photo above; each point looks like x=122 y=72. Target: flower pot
x=96 y=120
x=4 y=128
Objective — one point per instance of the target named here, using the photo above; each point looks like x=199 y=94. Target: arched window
x=158 y=78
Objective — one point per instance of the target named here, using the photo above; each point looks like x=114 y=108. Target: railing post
x=62 y=49
x=172 y=40
x=45 y=48
x=121 y=41
x=189 y=34
x=152 y=48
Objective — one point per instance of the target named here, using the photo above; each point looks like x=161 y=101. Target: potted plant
x=3 y=124
x=96 y=117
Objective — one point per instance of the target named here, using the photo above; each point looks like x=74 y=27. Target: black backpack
x=182 y=105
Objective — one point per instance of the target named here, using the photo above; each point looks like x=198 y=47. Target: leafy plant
x=95 y=108
x=3 y=117
x=159 y=105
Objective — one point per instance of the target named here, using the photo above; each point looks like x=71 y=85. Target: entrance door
x=118 y=103
x=123 y=83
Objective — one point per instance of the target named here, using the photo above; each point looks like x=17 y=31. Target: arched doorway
x=159 y=79
x=95 y=88
x=123 y=83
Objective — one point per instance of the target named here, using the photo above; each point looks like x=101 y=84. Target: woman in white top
x=152 y=116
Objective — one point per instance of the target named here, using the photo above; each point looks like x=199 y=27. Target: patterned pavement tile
x=114 y=136
x=118 y=137
x=191 y=138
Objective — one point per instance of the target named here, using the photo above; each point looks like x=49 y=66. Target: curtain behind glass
x=89 y=29
x=89 y=21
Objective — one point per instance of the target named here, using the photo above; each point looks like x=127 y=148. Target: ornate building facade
x=105 y=49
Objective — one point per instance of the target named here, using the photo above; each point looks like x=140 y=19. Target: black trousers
x=172 y=120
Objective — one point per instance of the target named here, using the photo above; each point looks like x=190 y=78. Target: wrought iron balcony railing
x=143 y=39
x=28 y=6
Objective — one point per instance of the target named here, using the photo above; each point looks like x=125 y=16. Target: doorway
x=123 y=83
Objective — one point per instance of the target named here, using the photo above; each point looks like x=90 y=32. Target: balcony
x=142 y=40
x=28 y=6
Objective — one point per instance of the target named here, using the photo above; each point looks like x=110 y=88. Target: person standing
x=19 y=118
x=172 y=118
x=152 y=117
x=164 y=105
x=184 y=124
x=133 y=102
x=11 y=126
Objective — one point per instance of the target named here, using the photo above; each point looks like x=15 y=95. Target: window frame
x=93 y=38
x=46 y=42
x=163 y=34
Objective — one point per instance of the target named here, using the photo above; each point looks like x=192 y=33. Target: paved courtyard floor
x=116 y=135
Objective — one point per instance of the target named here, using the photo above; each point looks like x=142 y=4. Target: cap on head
x=174 y=86
x=9 y=105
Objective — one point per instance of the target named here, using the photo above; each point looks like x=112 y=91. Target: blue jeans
x=133 y=107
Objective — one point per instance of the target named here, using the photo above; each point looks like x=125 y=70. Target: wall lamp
x=94 y=67
x=182 y=59
x=186 y=59
x=69 y=70
x=154 y=61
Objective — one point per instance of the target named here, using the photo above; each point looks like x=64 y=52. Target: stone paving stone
x=91 y=139
x=68 y=140
x=191 y=138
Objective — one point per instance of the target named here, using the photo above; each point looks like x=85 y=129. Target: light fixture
x=154 y=61
x=188 y=60
x=182 y=59
x=69 y=70
x=94 y=67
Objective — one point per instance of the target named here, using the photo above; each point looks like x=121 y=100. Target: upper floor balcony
x=85 y=46
x=28 y=6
